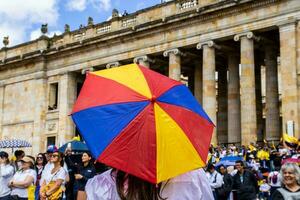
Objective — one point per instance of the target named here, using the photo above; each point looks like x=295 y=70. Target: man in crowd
x=244 y=183
x=215 y=180
x=19 y=154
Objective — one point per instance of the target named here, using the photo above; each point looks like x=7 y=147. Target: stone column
x=288 y=61
x=298 y=75
x=2 y=86
x=67 y=97
x=234 y=104
x=272 y=96
x=143 y=60
x=259 y=103
x=209 y=83
x=222 y=105
x=198 y=81
x=247 y=88
x=40 y=111
x=174 y=63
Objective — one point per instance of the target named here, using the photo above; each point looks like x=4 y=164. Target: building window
x=53 y=96
x=51 y=140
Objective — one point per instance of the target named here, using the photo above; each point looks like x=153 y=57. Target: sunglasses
x=40 y=158
x=54 y=155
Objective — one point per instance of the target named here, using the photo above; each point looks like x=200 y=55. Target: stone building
x=231 y=53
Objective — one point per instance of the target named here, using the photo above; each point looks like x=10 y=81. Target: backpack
x=274 y=178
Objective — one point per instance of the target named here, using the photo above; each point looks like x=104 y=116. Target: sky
x=21 y=19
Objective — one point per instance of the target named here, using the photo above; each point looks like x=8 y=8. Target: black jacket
x=87 y=173
x=247 y=189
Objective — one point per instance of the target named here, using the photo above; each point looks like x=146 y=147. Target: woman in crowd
x=85 y=172
x=39 y=167
x=6 y=173
x=51 y=187
x=290 y=174
x=23 y=179
x=117 y=185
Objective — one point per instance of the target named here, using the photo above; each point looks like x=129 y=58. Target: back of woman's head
x=4 y=155
x=137 y=188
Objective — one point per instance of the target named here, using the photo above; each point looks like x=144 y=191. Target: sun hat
x=27 y=159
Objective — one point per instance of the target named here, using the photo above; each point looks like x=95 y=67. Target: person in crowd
x=215 y=180
x=72 y=164
x=85 y=172
x=19 y=154
x=290 y=190
x=52 y=185
x=23 y=180
x=264 y=190
x=274 y=179
x=244 y=183
x=264 y=157
x=115 y=185
x=39 y=167
x=227 y=183
x=6 y=174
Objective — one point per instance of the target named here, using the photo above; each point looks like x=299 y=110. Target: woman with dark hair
x=39 y=167
x=117 y=185
x=290 y=173
x=23 y=179
x=6 y=173
x=51 y=187
x=85 y=172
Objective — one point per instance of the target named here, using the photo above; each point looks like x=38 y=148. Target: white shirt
x=215 y=180
x=6 y=174
x=265 y=187
x=48 y=168
x=60 y=174
x=192 y=185
x=21 y=175
x=278 y=183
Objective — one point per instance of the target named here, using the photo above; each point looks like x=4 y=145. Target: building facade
x=240 y=58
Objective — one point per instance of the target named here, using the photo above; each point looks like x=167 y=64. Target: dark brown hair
x=137 y=188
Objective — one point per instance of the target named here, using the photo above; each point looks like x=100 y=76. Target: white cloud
x=19 y=16
x=76 y=5
x=81 y=5
x=35 y=34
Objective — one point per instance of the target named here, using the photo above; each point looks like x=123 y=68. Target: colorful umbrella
x=142 y=122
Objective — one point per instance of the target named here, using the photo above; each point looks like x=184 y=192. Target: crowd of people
x=263 y=172
x=260 y=172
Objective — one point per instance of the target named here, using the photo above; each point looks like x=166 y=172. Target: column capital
x=173 y=51
x=84 y=71
x=209 y=43
x=2 y=83
x=249 y=35
x=113 y=64
x=144 y=58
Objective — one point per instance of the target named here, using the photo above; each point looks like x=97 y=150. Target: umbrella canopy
x=232 y=158
x=76 y=146
x=14 y=143
x=142 y=122
x=290 y=160
x=226 y=163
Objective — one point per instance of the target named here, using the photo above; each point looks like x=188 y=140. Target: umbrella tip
x=153 y=99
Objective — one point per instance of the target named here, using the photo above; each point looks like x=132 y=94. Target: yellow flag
x=290 y=139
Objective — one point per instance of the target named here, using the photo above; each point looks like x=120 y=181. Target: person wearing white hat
x=23 y=179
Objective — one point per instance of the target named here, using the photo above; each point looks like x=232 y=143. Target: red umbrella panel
x=143 y=123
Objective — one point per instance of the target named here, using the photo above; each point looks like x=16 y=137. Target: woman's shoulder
x=102 y=187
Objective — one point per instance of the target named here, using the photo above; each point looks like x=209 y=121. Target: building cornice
x=227 y=7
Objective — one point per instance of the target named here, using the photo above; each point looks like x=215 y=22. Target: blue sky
x=21 y=19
